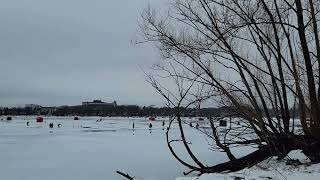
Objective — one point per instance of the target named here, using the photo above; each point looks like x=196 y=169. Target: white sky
x=56 y=52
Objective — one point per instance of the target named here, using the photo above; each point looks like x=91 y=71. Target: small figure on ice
x=150 y=127
x=99 y=120
x=190 y=124
x=59 y=125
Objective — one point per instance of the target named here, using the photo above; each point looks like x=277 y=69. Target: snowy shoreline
x=270 y=169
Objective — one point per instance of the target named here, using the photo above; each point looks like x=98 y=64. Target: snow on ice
x=90 y=149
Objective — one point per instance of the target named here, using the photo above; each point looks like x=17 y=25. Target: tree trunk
x=281 y=147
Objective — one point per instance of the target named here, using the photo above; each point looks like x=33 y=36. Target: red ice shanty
x=39 y=119
x=152 y=118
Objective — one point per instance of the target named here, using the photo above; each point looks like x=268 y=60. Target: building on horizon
x=32 y=106
x=48 y=110
x=99 y=103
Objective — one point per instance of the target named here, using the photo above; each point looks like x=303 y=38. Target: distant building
x=99 y=103
x=33 y=107
x=48 y=110
x=99 y=108
x=2 y=110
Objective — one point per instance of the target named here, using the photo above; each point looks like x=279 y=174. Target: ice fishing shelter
x=152 y=118
x=223 y=123
x=39 y=119
x=75 y=120
x=9 y=118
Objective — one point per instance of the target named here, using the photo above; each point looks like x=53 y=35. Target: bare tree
x=258 y=57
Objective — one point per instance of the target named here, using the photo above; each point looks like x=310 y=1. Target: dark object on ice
x=294 y=162
x=197 y=126
x=223 y=123
x=190 y=124
x=9 y=118
x=27 y=123
x=99 y=120
x=150 y=128
x=39 y=119
x=133 y=125
x=152 y=118
x=201 y=119
x=51 y=125
x=59 y=125
x=76 y=118
x=86 y=127
x=163 y=123
x=239 y=178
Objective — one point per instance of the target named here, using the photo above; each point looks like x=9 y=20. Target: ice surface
x=86 y=149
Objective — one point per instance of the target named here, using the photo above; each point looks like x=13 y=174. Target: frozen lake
x=86 y=149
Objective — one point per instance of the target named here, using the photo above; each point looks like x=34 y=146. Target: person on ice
x=133 y=125
x=59 y=125
x=197 y=126
x=162 y=123
x=27 y=123
x=51 y=125
x=150 y=127
x=190 y=124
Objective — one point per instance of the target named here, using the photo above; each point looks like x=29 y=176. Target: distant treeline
x=121 y=110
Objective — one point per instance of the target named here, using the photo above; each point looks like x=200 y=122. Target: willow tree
x=260 y=58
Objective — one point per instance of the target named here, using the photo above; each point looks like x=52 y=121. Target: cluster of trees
x=259 y=57
x=122 y=110
x=125 y=110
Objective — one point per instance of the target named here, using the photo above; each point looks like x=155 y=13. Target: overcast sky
x=57 y=52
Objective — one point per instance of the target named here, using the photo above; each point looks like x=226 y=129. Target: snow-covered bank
x=270 y=169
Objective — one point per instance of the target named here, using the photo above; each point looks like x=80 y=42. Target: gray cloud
x=67 y=51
